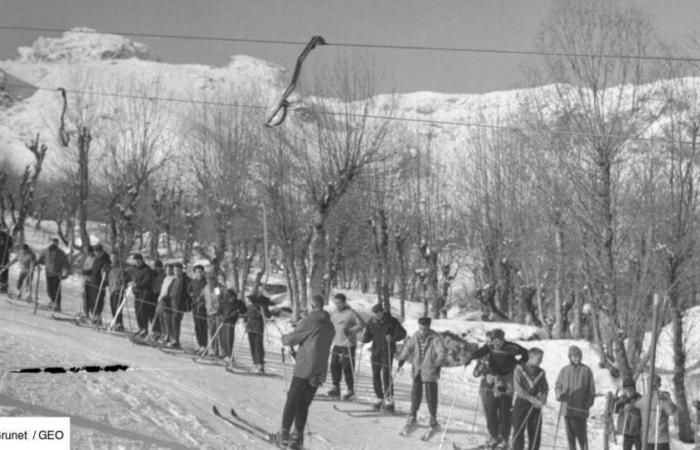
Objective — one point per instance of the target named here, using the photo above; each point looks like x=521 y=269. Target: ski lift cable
x=386 y=117
x=368 y=45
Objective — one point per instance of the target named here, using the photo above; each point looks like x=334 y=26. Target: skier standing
x=213 y=293
x=575 y=389
x=258 y=311
x=629 y=419
x=179 y=303
x=662 y=407
x=151 y=311
x=57 y=268
x=97 y=283
x=497 y=384
x=383 y=331
x=427 y=353
x=160 y=330
x=117 y=280
x=199 y=308
x=26 y=259
x=231 y=309
x=531 y=388
x=347 y=324
x=141 y=275
x=314 y=336
x=5 y=250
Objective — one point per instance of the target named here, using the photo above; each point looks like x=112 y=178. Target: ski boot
x=502 y=445
x=296 y=441
x=348 y=395
x=281 y=438
x=335 y=392
x=378 y=405
x=491 y=443
x=389 y=406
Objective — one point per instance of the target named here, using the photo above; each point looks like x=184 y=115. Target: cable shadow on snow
x=83 y=422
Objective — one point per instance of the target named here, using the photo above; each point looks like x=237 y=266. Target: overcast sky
x=503 y=24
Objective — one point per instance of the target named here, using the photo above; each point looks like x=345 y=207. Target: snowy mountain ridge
x=110 y=64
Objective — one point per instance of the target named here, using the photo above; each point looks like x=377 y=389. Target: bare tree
x=27 y=187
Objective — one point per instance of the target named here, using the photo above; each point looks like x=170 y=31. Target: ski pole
x=522 y=426
x=36 y=269
x=476 y=412
x=215 y=336
x=449 y=414
x=99 y=293
x=537 y=437
x=284 y=369
x=122 y=302
x=556 y=429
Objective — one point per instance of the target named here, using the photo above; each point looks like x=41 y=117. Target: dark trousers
x=174 y=325
x=199 y=314
x=381 y=376
x=431 y=396
x=652 y=446
x=228 y=334
x=497 y=410
x=53 y=288
x=342 y=363
x=114 y=302
x=257 y=347
x=141 y=307
x=576 y=430
x=630 y=442
x=25 y=276
x=4 y=278
x=526 y=419
x=296 y=409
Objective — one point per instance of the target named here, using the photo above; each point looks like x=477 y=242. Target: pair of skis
x=245 y=425
x=409 y=428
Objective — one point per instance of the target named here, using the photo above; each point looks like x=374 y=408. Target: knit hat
x=377 y=308
x=496 y=333
x=575 y=351
x=424 y=321
x=137 y=256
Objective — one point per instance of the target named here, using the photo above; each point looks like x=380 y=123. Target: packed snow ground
x=165 y=401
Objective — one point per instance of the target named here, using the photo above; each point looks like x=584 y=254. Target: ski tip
x=216 y=410
x=234 y=413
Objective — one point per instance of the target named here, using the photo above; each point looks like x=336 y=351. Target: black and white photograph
x=368 y=224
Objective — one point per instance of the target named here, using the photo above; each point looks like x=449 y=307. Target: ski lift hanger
x=283 y=104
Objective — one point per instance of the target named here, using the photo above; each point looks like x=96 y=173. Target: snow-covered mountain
x=106 y=63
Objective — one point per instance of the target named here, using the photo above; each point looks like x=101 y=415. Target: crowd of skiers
x=513 y=389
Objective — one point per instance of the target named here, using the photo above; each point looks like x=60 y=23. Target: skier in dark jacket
x=26 y=259
x=497 y=384
x=231 y=310
x=314 y=336
x=179 y=303
x=97 y=283
x=117 y=283
x=142 y=278
x=57 y=269
x=258 y=311
x=383 y=331
x=629 y=416
x=5 y=250
x=199 y=308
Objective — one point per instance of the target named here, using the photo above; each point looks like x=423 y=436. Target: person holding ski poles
x=97 y=284
x=531 y=389
x=629 y=416
x=213 y=294
x=314 y=335
x=383 y=331
x=347 y=324
x=57 y=268
x=258 y=310
x=497 y=384
x=26 y=259
x=427 y=353
x=117 y=284
x=6 y=245
x=575 y=389
x=662 y=407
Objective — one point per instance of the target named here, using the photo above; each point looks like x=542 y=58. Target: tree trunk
x=84 y=139
x=319 y=253
x=558 y=330
x=403 y=272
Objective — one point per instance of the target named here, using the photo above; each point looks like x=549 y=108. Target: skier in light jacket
x=575 y=389
x=426 y=352
x=662 y=407
x=347 y=324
